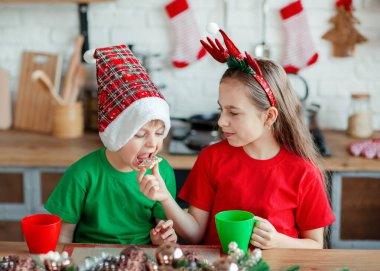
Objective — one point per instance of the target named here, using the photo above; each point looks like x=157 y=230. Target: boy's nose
x=151 y=142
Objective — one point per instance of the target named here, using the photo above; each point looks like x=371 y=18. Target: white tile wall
x=52 y=28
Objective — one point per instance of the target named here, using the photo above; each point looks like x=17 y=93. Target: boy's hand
x=153 y=186
x=163 y=233
x=264 y=235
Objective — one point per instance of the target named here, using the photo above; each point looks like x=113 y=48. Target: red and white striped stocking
x=188 y=48
x=299 y=47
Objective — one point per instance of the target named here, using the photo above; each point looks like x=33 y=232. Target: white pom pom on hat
x=89 y=56
x=213 y=28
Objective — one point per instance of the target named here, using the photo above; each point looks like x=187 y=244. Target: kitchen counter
x=31 y=165
x=277 y=259
x=24 y=149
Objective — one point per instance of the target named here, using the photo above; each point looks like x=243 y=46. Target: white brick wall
x=53 y=27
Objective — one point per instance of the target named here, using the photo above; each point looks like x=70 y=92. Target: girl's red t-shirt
x=287 y=190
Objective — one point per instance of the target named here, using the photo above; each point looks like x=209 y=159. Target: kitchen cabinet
x=31 y=165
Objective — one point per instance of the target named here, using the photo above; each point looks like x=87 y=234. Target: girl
x=265 y=164
x=98 y=197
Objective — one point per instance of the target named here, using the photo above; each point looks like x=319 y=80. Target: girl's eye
x=234 y=113
x=160 y=133
x=219 y=109
x=139 y=135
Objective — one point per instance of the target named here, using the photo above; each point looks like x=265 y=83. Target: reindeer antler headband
x=235 y=59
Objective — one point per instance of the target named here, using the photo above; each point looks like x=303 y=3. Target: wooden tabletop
x=307 y=259
x=24 y=149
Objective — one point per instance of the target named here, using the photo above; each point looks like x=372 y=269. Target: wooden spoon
x=48 y=85
x=78 y=83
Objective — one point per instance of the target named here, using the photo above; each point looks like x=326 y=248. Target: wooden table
x=307 y=259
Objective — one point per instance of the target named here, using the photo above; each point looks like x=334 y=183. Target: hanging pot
x=199 y=130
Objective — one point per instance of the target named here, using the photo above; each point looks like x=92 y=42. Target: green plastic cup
x=235 y=226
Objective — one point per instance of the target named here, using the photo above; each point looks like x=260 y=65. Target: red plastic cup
x=41 y=232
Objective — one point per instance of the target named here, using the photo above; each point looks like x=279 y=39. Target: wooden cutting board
x=5 y=101
x=34 y=105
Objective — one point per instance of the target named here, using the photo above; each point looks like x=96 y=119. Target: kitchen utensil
x=75 y=60
x=197 y=140
x=225 y=14
x=202 y=122
x=200 y=132
x=78 y=83
x=5 y=101
x=48 y=85
x=262 y=49
x=33 y=105
x=68 y=120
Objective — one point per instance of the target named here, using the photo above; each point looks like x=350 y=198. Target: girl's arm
x=67 y=232
x=265 y=236
x=191 y=225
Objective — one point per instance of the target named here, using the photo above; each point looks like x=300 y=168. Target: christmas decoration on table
x=369 y=149
x=344 y=36
x=52 y=261
x=300 y=50
x=186 y=32
x=170 y=256
x=14 y=263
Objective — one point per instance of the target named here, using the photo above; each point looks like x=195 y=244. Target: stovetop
x=178 y=146
x=185 y=141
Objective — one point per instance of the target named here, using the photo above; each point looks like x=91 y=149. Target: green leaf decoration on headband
x=234 y=63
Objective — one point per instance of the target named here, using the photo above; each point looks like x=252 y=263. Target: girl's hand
x=153 y=186
x=163 y=233
x=264 y=235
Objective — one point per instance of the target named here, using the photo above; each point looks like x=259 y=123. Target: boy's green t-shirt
x=107 y=204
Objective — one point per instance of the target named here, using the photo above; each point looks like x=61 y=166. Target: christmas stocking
x=187 y=35
x=299 y=48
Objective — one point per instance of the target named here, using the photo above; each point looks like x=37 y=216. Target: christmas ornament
x=300 y=50
x=186 y=34
x=344 y=36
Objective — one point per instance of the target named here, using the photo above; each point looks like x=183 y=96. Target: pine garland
x=234 y=63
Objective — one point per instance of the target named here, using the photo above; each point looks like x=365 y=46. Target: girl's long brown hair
x=289 y=128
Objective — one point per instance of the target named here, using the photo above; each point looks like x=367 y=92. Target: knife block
x=68 y=120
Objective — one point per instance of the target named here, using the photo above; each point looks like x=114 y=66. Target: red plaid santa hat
x=127 y=98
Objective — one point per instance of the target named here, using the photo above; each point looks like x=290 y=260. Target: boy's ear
x=271 y=115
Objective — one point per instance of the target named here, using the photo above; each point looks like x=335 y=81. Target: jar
x=360 y=119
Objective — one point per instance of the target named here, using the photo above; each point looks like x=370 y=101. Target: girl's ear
x=271 y=116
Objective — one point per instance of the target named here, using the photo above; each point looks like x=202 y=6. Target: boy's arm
x=67 y=232
x=163 y=232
